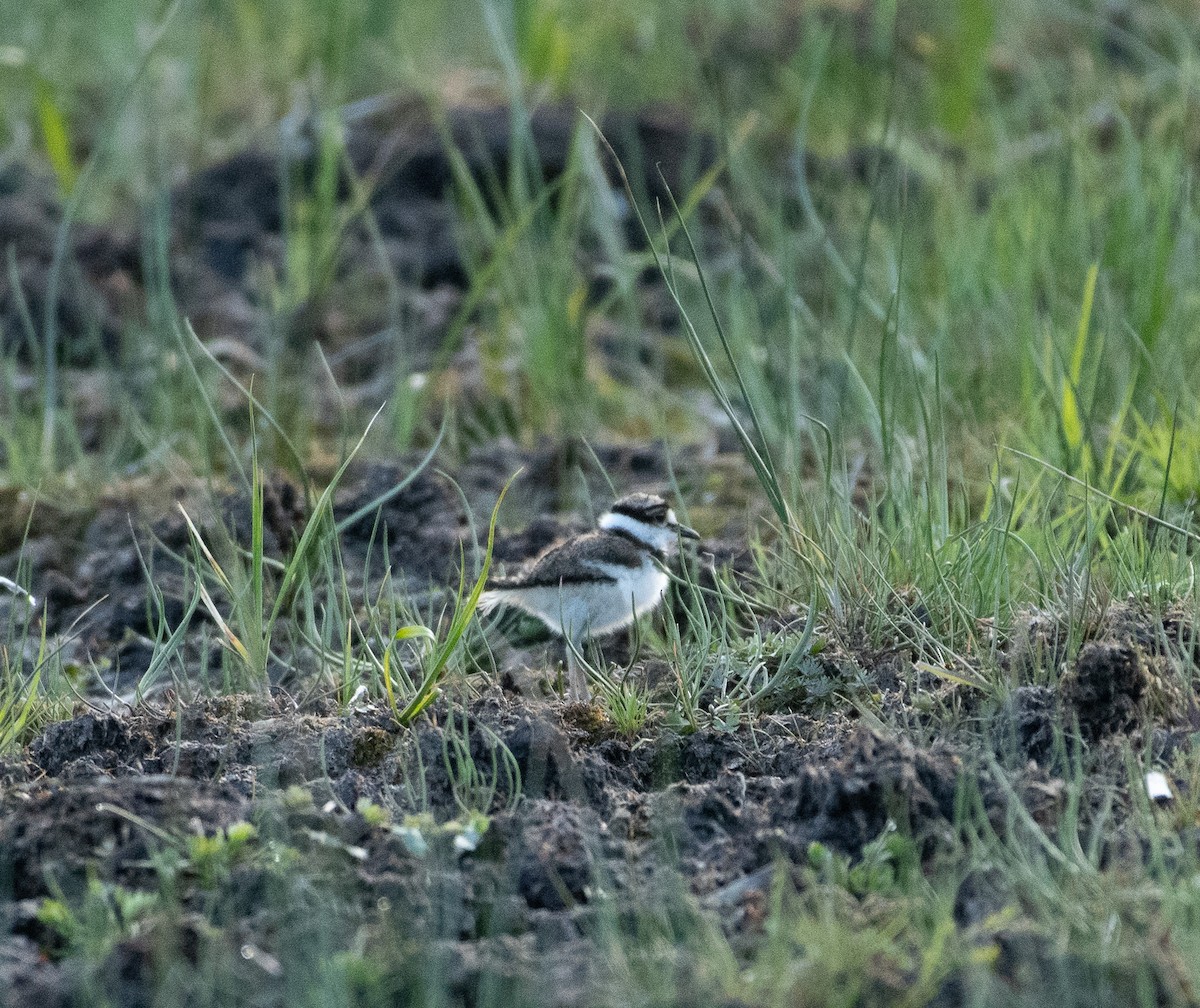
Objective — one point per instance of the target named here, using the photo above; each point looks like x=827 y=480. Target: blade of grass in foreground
x=250 y=628
x=464 y=612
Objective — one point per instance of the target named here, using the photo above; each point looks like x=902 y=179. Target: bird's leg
x=578 y=689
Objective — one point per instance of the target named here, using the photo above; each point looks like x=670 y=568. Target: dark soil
x=117 y=798
x=101 y=797
x=227 y=225
x=358 y=824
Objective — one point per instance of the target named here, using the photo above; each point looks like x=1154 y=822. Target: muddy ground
x=131 y=808
x=113 y=797
x=582 y=818
x=595 y=813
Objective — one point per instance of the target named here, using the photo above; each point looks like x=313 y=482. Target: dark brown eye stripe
x=644 y=507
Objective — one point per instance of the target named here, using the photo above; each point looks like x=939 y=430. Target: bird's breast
x=633 y=592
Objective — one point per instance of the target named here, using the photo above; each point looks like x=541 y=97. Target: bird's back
x=594 y=583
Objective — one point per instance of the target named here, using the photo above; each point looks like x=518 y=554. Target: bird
x=598 y=581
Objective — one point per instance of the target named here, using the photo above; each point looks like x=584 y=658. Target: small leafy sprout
x=26 y=703
x=297 y=798
x=106 y=914
x=413 y=831
x=212 y=858
x=375 y=815
x=468 y=835
x=422 y=833
x=887 y=866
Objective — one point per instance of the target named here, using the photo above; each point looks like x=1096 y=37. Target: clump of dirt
x=1106 y=688
x=1027 y=720
x=556 y=868
x=87 y=746
x=1132 y=670
x=27 y=976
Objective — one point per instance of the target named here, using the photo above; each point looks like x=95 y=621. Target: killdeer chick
x=596 y=582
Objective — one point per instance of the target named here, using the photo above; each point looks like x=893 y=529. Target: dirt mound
x=96 y=279
x=585 y=805
x=1131 y=672
x=1106 y=688
x=228 y=232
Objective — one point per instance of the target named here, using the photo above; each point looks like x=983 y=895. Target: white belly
x=635 y=593
x=595 y=608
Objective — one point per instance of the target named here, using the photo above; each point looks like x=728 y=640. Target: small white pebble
x=264 y=960
x=1158 y=787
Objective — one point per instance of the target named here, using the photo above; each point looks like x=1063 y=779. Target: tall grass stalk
x=443 y=648
x=249 y=629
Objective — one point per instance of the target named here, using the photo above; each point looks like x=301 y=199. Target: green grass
x=957 y=353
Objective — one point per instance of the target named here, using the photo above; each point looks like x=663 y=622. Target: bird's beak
x=687 y=533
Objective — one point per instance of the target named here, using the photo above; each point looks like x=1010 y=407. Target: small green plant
x=414 y=695
x=887 y=867
x=249 y=630
x=626 y=702
x=19 y=692
x=475 y=788
x=213 y=857
x=104 y=915
x=423 y=835
x=374 y=814
x=34 y=687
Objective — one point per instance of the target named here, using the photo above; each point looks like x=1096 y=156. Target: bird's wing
x=573 y=562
